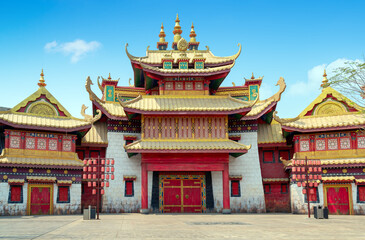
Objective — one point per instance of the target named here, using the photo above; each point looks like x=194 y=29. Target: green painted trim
x=236 y=154
x=216 y=83
x=138 y=77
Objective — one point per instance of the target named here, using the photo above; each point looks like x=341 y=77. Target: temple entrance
x=182 y=193
x=338 y=199
x=40 y=200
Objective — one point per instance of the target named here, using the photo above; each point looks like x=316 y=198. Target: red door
x=40 y=200
x=182 y=195
x=338 y=200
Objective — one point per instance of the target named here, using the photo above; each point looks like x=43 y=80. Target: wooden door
x=40 y=200
x=182 y=195
x=338 y=200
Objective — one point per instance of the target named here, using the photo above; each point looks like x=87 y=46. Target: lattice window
x=304 y=145
x=332 y=144
x=267 y=188
x=360 y=142
x=30 y=143
x=268 y=156
x=313 y=195
x=345 y=143
x=284 y=188
x=14 y=142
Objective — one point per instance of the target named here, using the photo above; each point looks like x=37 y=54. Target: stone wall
x=74 y=206
x=12 y=209
x=252 y=198
x=359 y=208
x=298 y=205
x=114 y=200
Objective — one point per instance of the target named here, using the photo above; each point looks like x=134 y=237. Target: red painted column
x=144 y=189
x=226 y=200
x=7 y=138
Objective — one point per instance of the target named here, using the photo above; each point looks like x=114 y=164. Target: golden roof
x=64 y=182
x=339 y=178
x=191 y=144
x=156 y=56
x=360 y=180
x=97 y=134
x=275 y=179
x=343 y=161
x=270 y=133
x=38 y=178
x=30 y=120
x=114 y=109
x=40 y=161
x=154 y=103
x=13 y=180
x=311 y=122
x=326 y=113
x=260 y=106
x=188 y=70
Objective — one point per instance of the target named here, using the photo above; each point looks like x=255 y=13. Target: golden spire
x=177 y=29
x=324 y=80
x=41 y=80
x=162 y=34
x=252 y=77
x=109 y=77
x=192 y=33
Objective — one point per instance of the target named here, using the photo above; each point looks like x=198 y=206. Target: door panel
x=338 y=200
x=182 y=195
x=40 y=200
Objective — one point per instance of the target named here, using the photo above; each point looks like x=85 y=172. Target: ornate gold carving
x=15 y=170
x=5 y=177
x=48 y=171
x=285 y=162
x=30 y=170
x=330 y=108
x=284 y=120
x=324 y=171
x=100 y=86
x=89 y=118
x=344 y=170
x=65 y=172
x=182 y=45
x=42 y=108
x=282 y=85
x=92 y=95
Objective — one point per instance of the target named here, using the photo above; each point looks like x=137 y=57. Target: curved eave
x=41 y=166
x=261 y=113
x=185 y=72
x=104 y=111
x=296 y=129
x=182 y=112
x=185 y=151
x=55 y=129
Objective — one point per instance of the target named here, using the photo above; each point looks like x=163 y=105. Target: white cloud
x=77 y=49
x=266 y=91
x=314 y=81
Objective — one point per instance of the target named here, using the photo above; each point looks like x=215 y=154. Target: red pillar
x=226 y=200
x=144 y=188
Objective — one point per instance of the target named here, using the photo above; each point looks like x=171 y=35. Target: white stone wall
x=298 y=205
x=114 y=199
x=217 y=184
x=248 y=165
x=74 y=206
x=359 y=208
x=12 y=208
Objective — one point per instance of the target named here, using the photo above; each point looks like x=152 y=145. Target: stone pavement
x=183 y=226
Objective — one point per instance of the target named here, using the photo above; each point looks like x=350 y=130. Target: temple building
x=182 y=143
x=329 y=129
x=39 y=169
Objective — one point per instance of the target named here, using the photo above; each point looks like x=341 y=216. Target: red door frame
x=184 y=162
x=30 y=187
x=349 y=192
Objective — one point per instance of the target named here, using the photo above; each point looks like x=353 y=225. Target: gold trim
x=349 y=191
x=30 y=186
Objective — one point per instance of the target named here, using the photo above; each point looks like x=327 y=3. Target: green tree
x=350 y=80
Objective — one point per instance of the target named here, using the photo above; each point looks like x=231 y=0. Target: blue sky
x=75 y=39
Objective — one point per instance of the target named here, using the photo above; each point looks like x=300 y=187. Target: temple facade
x=181 y=143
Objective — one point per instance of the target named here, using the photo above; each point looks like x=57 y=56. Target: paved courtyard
x=183 y=226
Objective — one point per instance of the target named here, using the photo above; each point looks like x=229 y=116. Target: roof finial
x=41 y=80
x=324 y=80
x=252 y=77
x=177 y=31
x=109 y=77
x=162 y=34
x=192 y=33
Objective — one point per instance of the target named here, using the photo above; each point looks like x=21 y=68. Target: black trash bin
x=90 y=213
x=320 y=212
